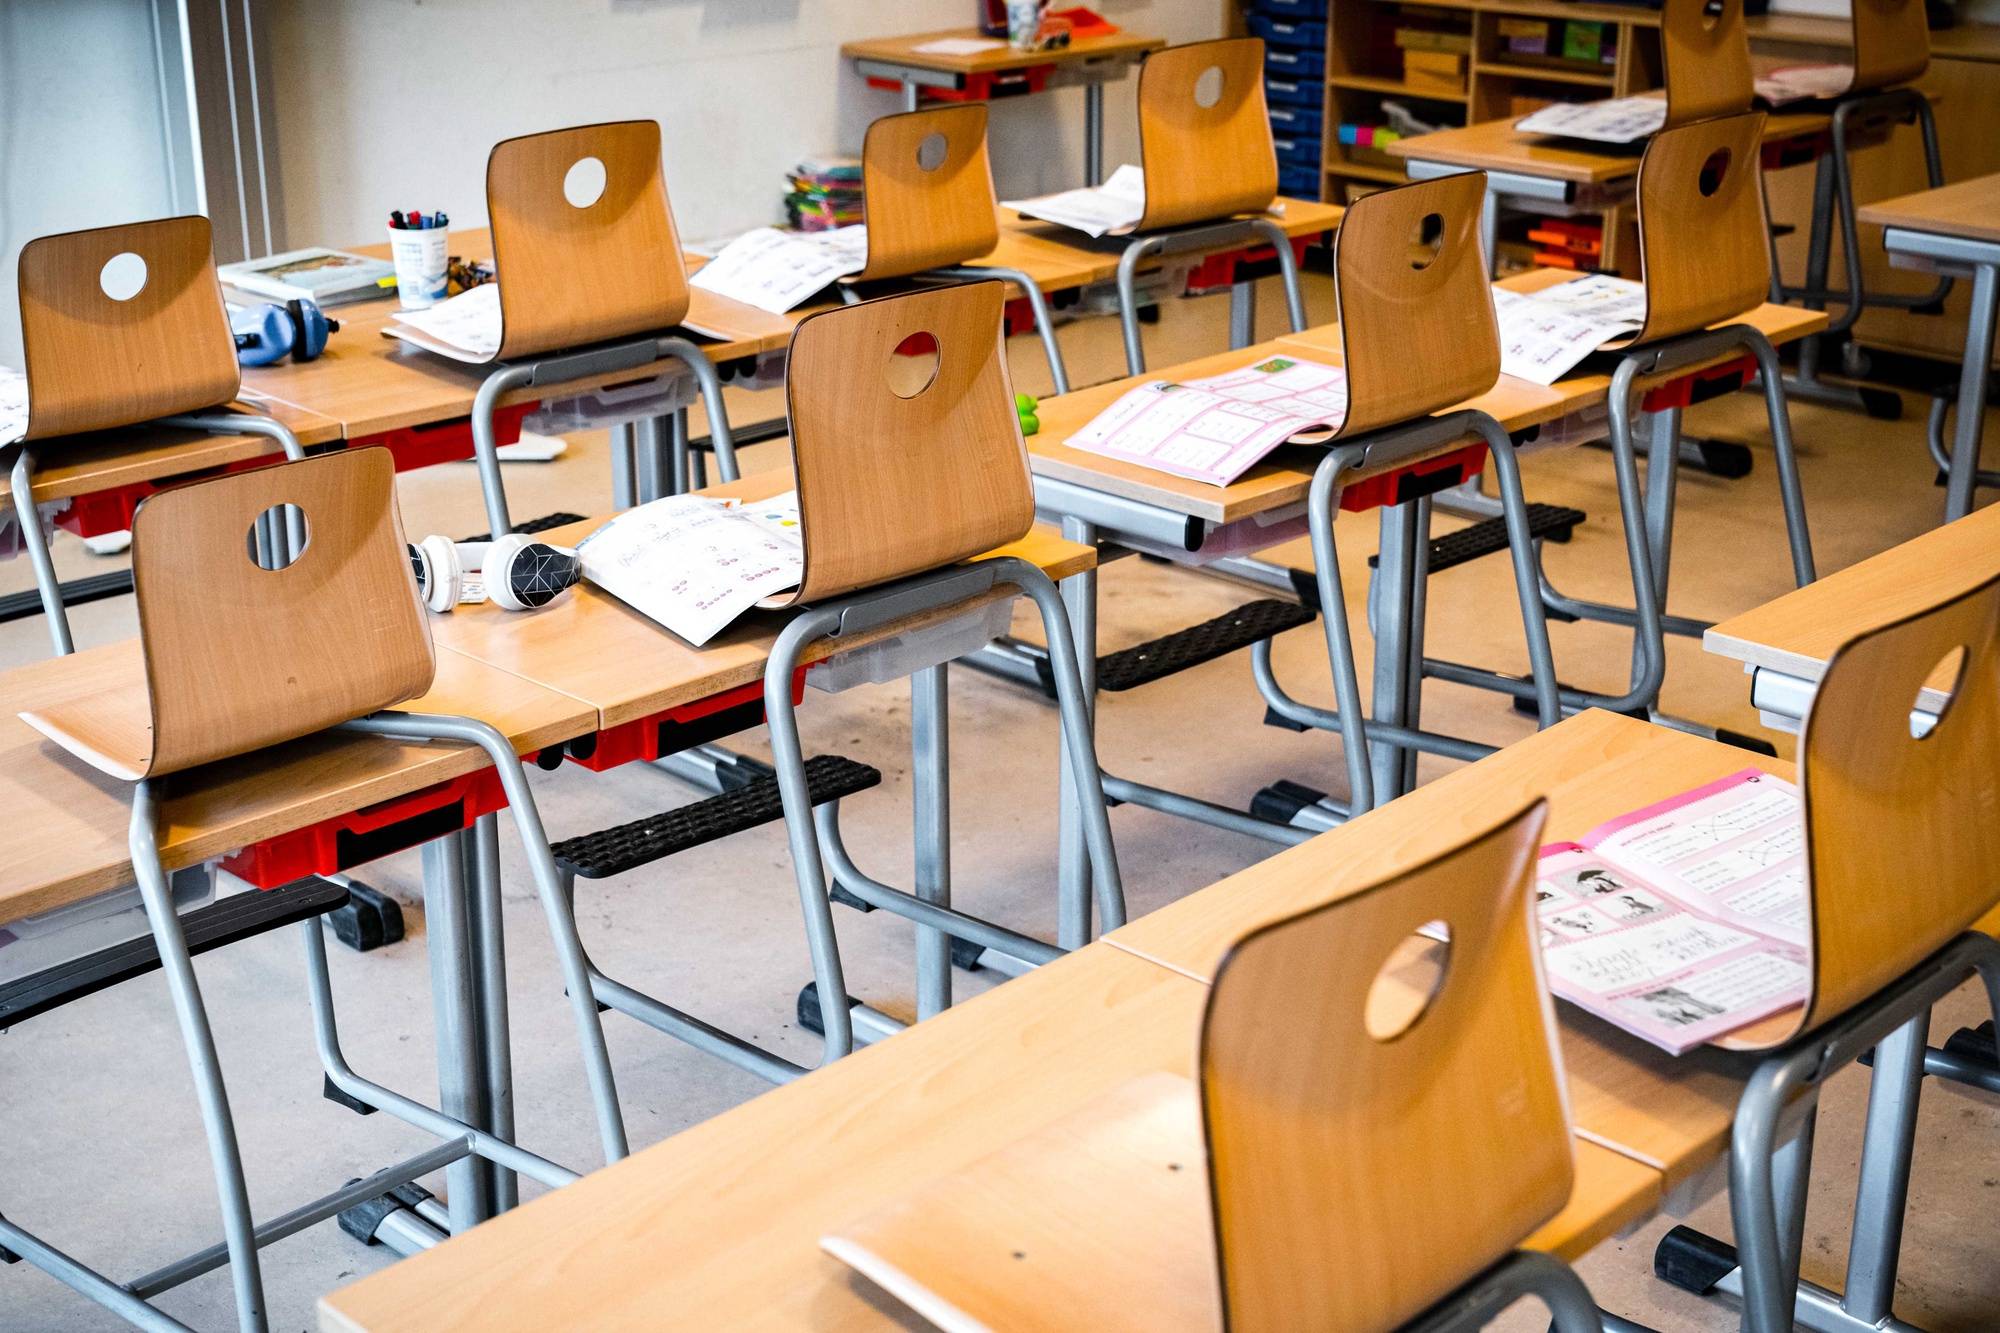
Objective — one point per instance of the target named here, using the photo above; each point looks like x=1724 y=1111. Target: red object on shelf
x=1418 y=479
x=1086 y=22
x=1701 y=385
x=639 y=740
x=361 y=836
x=1218 y=271
x=981 y=85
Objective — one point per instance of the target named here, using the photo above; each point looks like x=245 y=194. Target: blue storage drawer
x=1296 y=152
x=1295 y=121
x=1282 y=91
x=1291 y=11
x=1298 y=182
x=1284 y=63
x=1292 y=36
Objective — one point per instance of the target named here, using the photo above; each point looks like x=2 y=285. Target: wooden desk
x=596 y=649
x=1496 y=146
x=65 y=837
x=719 y=1226
x=1785 y=644
x=1672 y=1114
x=113 y=459
x=999 y=70
x=1954 y=229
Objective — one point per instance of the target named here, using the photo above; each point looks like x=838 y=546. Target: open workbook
x=1544 y=334
x=1214 y=429
x=1111 y=209
x=777 y=270
x=1686 y=920
x=1628 y=120
x=693 y=563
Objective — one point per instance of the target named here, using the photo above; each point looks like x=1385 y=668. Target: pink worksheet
x=1686 y=920
x=1214 y=429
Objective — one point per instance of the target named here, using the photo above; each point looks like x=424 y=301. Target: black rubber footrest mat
x=559 y=519
x=236 y=917
x=1554 y=522
x=613 y=851
x=1145 y=663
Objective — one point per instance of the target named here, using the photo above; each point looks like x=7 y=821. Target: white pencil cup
x=420 y=257
x=1024 y=24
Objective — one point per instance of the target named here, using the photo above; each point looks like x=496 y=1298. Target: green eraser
x=1024 y=402
x=1029 y=424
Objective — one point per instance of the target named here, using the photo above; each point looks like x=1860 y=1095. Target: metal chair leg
x=238 y=1226
x=1322 y=505
x=1790 y=494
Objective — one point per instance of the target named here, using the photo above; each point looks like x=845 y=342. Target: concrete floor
x=103 y=1144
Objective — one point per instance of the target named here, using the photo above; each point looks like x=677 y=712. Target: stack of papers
x=1684 y=921
x=694 y=564
x=13 y=405
x=1214 y=429
x=776 y=270
x=958 y=46
x=1627 y=120
x=1545 y=334
x=1111 y=209
x=467 y=327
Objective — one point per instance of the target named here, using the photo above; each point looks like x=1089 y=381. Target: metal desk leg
x=930 y=780
x=1093 y=133
x=1398 y=606
x=1242 y=314
x=461 y=1090
x=1073 y=870
x=1972 y=393
x=911 y=95
x=680 y=456
x=1663 y=433
x=1489 y=229
x=488 y=935
x=624 y=490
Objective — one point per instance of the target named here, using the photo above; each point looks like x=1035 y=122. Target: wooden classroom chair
x=1704 y=261
x=587 y=284
x=1370 y=1164
x=120 y=326
x=927 y=197
x=901 y=485
x=1416 y=333
x=342 y=641
x=1902 y=832
x=1705 y=59
x=1210 y=166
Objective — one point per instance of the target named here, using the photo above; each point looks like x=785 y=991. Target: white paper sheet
x=1543 y=335
x=464 y=328
x=1109 y=209
x=1615 y=120
x=694 y=564
x=1214 y=429
x=776 y=270
x=958 y=46
x=13 y=405
x=1803 y=83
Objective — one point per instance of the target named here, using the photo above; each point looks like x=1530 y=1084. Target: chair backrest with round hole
x=1703 y=251
x=240 y=656
x=123 y=324
x=1383 y=1124
x=905 y=439
x=927 y=191
x=1204 y=133
x=1705 y=59
x=583 y=239
x=1892 y=43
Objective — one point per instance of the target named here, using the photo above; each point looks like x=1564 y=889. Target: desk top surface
x=1284 y=477
x=370 y=383
x=903 y=51
x=1495 y=145
x=1967 y=208
x=106 y=460
x=719 y=1225
x=594 y=648
x=1671 y=1114
x=1795 y=634
x=66 y=836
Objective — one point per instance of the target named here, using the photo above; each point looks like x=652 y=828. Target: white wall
x=80 y=128
x=389 y=104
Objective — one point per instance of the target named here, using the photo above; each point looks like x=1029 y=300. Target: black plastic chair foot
x=965 y=954
x=332 y=1093
x=369 y=919
x=1754 y=744
x=1693 y=1260
x=1722 y=458
x=809 y=1011
x=363 y=1221
x=1283 y=799
x=1881 y=404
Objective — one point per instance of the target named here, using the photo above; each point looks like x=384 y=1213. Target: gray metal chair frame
x=1037 y=299
x=1206 y=237
x=1833 y=201
x=814 y=839
x=1522 y=1273
x=1648 y=516
x=21 y=480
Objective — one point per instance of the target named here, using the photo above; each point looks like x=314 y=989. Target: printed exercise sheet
x=464 y=328
x=1630 y=120
x=1110 y=209
x=1545 y=334
x=13 y=405
x=776 y=270
x=1686 y=920
x=1214 y=429
x=694 y=564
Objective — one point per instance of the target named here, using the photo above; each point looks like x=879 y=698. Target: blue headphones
x=269 y=333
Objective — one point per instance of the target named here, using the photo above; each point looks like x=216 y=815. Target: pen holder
x=1024 y=24
x=420 y=258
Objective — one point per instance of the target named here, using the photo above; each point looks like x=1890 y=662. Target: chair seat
x=107 y=722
